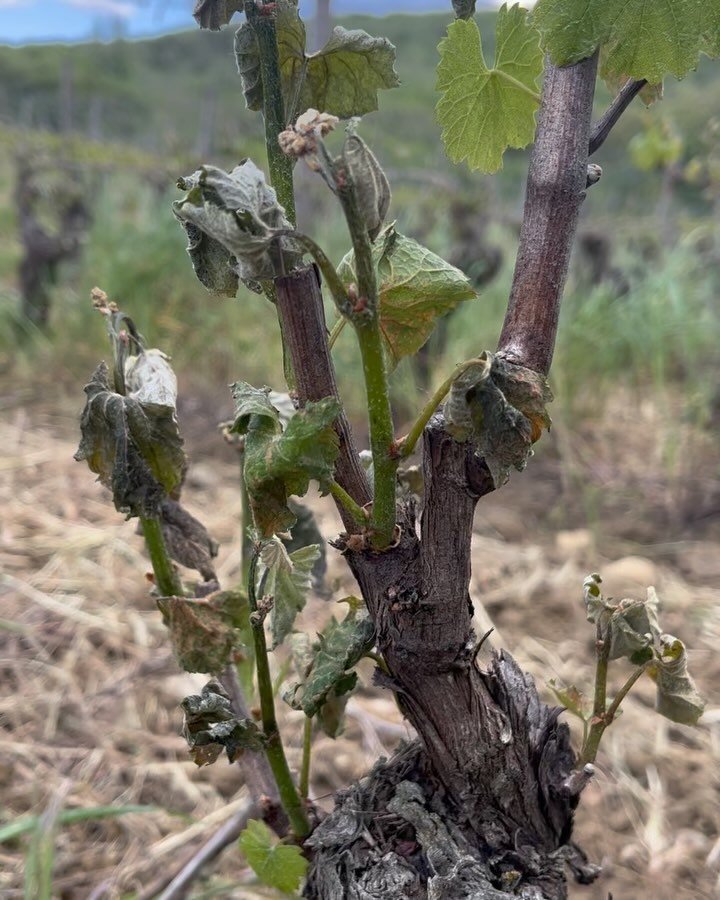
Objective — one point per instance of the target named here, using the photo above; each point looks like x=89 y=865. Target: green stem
x=336 y=331
x=342 y=497
x=518 y=84
x=307 y=751
x=379 y=661
x=246 y=541
x=365 y=316
x=166 y=576
x=408 y=443
x=280 y=165
x=591 y=743
x=289 y=797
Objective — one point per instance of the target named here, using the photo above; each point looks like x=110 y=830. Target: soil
x=89 y=689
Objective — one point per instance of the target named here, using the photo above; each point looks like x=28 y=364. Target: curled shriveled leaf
x=210 y=726
x=201 y=631
x=278 y=865
x=279 y=463
x=303 y=533
x=134 y=447
x=187 y=540
x=677 y=696
x=288 y=581
x=213 y=14
x=340 y=646
x=500 y=408
x=238 y=210
x=416 y=288
x=342 y=78
x=372 y=188
x=631 y=625
x=214 y=265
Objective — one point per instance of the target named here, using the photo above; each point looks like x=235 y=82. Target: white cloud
x=108 y=7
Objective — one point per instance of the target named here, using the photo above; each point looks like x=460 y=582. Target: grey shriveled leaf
x=150 y=380
x=134 y=448
x=213 y=14
x=677 y=696
x=210 y=726
x=372 y=188
x=187 y=540
x=201 y=632
x=215 y=267
x=479 y=410
x=240 y=211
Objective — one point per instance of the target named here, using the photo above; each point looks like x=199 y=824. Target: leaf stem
x=327 y=269
x=516 y=83
x=342 y=497
x=307 y=751
x=280 y=165
x=336 y=331
x=166 y=577
x=408 y=443
x=365 y=317
x=289 y=797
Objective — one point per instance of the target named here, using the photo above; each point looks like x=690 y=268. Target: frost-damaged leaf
x=484 y=110
x=632 y=624
x=416 y=288
x=187 y=540
x=332 y=713
x=281 y=866
x=134 y=447
x=342 y=78
x=304 y=532
x=642 y=40
x=213 y=14
x=572 y=699
x=201 y=631
x=288 y=581
x=239 y=211
x=500 y=409
x=372 y=188
x=340 y=646
x=280 y=463
x=214 y=265
x=210 y=725
x=677 y=697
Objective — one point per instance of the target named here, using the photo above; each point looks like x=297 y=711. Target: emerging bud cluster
x=301 y=139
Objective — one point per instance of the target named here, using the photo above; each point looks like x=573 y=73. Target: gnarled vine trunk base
x=399 y=833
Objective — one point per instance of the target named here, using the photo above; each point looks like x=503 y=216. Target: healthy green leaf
x=278 y=865
x=500 y=409
x=484 y=110
x=210 y=725
x=649 y=94
x=288 y=581
x=677 y=697
x=340 y=646
x=134 y=447
x=280 y=463
x=342 y=78
x=416 y=288
x=239 y=211
x=642 y=40
x=201 y=632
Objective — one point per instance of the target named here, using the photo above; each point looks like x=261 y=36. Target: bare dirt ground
x=89 y=690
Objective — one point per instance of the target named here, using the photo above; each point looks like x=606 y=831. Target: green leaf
x=213 y=14
x=331 y=715
x=572 y=698
x=500 y=409
x=280 y=463
x=201 y=631
x=210 y=725
x=342 y=78
x=134 y=447
x=340 y=646
x=281 y=866
x=641 y=39
x=239 y=211
x=288 y=581
x=649 y=94
x=484 y=110
x=677 y=697
x=416 y=288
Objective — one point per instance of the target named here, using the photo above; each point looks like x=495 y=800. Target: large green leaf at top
x=342 y=78
x=280 y=463
x=416 y=288
x=484 y=110
x=278 y=865
x=642 y=39
x=133 y=445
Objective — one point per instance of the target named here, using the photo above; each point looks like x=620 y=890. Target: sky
x=24 y=21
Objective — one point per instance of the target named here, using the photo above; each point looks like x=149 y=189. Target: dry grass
x=89 y=699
